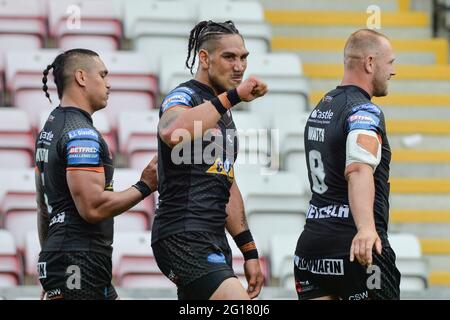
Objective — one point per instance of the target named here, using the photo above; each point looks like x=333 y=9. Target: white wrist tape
x=363 y=146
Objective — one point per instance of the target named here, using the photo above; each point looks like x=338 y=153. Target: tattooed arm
x=237 y=225
x=236 y=219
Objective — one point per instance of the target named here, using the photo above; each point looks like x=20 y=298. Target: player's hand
x=362 y=246
x=251 y=89
x=150 y=174
x=255 y=278
x=42 y=296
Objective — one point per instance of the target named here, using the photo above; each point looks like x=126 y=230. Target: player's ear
x=203 y=57
x=80 y=77
x=369 y=64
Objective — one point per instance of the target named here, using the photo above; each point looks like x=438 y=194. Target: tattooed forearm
x=244 y=223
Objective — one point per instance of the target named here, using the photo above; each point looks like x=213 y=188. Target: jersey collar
x=76 y=109
x=364 y=92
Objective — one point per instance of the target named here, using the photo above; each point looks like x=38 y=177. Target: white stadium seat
x=289 y=142
x=282 y=250
x=134 y=264
x=138 y=133
x=22 y=24
x=10 y=267
x=159 y=26
x=409 y=261
x=256 y=32
x=93 y=24
x=288 y=87
x=16 y=139
x=274 y=203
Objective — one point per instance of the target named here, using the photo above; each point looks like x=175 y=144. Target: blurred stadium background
x=296 y=47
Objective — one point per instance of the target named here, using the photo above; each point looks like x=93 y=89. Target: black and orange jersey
x=194 y=178
x=69 y=141
x=330 y=226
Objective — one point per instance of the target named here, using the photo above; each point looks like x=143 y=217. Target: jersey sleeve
x=83 y=150
x=179 y=97
x=364 y=117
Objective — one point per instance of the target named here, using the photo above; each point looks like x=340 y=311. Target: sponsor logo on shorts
x=42 y=270
x=303 y=286
x=321 y=266
x=360 y=296
x=331 y=211
x=216 y=258
x=54 y=294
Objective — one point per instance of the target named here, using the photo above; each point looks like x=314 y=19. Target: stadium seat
x=141 y=272
x=19 y=223
x=16 y=139
x=17 y=190
x=273 y=202
x=90 y=24
x=172 y=72
x=131 y=221
x=141 y=212
x=18 y=203
x=22 y=24
x=409 y=261
x=156 y=26
x=138 y=136
x=10 y=267
x=253 y=137
x=256 y=32
x=17 y=200
x=288 y=87
x=31 y=255
x=134 y=85
x=281 y=252
x=289 y=143
x=24 y=81
x=22 y=27
x=134 y=265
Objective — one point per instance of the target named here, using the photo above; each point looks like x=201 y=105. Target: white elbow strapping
x=358 y=152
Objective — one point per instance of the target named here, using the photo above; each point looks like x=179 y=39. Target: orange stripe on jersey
x=94 y=169
x=177 y=107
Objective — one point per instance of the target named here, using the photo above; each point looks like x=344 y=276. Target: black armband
x=233 y=97
x=143 y=188
x=246 y=244
x=225 y=101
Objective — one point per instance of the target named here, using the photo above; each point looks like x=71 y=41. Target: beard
x=380 y=87
x=217 y=85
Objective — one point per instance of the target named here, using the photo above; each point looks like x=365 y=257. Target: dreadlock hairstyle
x=202 y=33
x=59 y=66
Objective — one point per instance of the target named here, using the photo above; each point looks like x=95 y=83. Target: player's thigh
x=197 y=262
x=230 y=289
